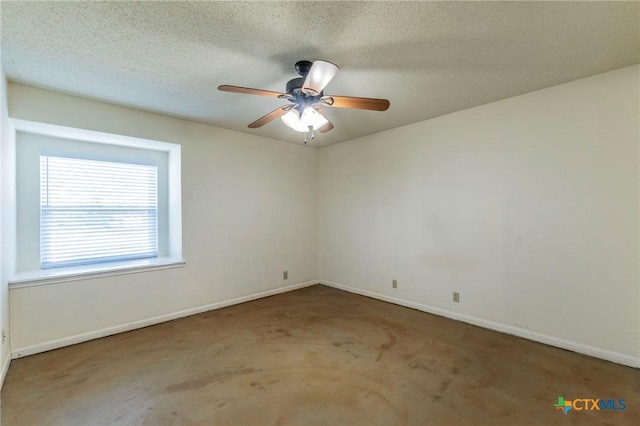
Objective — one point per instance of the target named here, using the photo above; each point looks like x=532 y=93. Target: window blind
x=96 y=211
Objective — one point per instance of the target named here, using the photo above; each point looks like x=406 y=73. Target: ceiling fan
x=305 y=93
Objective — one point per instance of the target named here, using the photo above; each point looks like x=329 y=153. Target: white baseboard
x=503 y=328
x=5 y=368
x=84 y=337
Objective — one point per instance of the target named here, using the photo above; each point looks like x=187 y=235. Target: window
x=96 y=211
x=93 y=204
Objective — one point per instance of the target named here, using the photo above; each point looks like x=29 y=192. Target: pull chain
x=312 y=135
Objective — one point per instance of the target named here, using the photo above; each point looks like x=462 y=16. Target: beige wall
x=249 y=213
x=528 y=207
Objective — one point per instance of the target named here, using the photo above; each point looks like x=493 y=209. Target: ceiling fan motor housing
x=300 y=98
x=294 y=86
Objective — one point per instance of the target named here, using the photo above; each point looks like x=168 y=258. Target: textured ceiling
x=427 y=58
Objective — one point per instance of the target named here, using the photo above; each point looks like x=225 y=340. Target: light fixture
x=310 y=119
x=319 y=76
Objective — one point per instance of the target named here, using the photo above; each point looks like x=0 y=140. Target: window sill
x=76 y=273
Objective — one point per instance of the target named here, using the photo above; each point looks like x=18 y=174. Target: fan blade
x=250 y=91
x=271 y=116
x=326 y=127
x=319 y=76
x=357 y=103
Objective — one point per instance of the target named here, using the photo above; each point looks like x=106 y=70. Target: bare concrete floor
x=316 y=356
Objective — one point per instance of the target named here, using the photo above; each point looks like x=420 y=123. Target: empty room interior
x=320 y=213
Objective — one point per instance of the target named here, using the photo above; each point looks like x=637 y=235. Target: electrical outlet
x=456 y=297
x=394 y=283
x=4 y=336
x=285 y=275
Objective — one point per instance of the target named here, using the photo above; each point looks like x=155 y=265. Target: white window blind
x=96 y=211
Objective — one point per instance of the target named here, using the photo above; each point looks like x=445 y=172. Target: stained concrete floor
x=315 y=356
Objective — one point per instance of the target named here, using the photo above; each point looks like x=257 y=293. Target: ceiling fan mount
x=306 y=95
x=303 y=67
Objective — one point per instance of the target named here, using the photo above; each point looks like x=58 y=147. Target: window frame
x=79 y=143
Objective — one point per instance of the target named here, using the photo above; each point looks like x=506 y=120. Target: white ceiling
x=427 y=58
